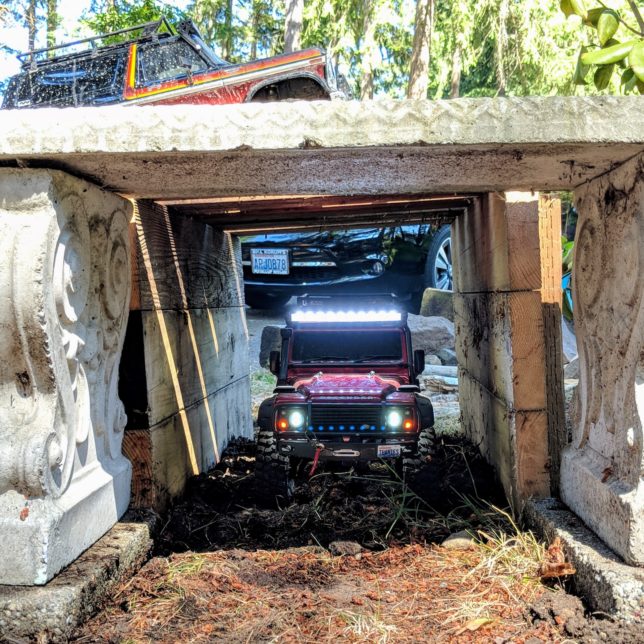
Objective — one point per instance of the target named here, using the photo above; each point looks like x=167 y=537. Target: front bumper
x=363 y=450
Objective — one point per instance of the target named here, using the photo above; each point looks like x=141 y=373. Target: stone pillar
x=64 y=290
x=601 y=472
x=506 y=251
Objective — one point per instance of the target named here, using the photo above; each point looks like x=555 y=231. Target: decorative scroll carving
x=602 y=470
x=609 y=300
x=64 y=287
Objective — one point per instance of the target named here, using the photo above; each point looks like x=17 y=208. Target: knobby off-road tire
x=421 y=472
x=273 y=480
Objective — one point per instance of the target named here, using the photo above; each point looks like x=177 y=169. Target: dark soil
x=230 y=570
x=373 y=508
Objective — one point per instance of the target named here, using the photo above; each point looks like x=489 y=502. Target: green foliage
x=617 y=45
x=111 y=15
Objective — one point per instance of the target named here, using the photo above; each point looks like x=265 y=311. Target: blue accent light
x=382 y=428
x=310 y=428
x=331 y=427
x=352 y=427
x=341 y=428
x=373 y=428
x=362 y=428
x=321 y=428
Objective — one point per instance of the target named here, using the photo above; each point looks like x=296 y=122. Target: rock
x=447 y=357
x=435 y=370
x=431 y=359
x=571 y=370
x=437 y=303
x=271 y=341
x=341 y=548
x=440 y=384
x=462 y=540
x=569 y=341
x=431 y=334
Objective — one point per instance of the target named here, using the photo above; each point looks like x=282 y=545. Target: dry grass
x=404 y=594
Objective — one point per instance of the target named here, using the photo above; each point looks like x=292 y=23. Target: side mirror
x=419 y=361
x=274 y=363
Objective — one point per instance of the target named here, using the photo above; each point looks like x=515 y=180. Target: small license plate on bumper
x=389 y=451
x=269 y=261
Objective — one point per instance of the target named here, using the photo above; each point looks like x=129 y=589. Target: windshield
x=347 y=346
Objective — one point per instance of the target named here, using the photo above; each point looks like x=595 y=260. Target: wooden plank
x=137 y=447
x=191 y=354
x=551 y=296
x=230 y=410
x=514 y=442
x=499 y=341
x=185 y=264
x=497 y=245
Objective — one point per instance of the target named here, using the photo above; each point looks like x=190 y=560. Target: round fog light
x=296 y=419
x=394 y=418
x=378 y=268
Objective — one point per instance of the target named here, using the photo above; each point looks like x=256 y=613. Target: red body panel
x=233 y=84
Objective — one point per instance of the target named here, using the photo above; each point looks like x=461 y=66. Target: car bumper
x=359 y=450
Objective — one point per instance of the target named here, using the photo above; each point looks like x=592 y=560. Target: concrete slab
x=50 y=613
x=462 y=145
x=606 y=584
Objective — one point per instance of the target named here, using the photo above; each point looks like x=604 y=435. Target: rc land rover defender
x=347 y=391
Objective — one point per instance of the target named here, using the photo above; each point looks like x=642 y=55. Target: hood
x=363 y=387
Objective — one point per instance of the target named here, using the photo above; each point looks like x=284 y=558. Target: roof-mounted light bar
x=318 y=316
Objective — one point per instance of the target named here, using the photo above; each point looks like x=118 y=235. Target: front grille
x=346 y=418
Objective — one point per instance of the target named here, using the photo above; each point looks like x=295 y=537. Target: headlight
x=394 y=419
x=400 y=418
x=290 y=419
x=296 y=419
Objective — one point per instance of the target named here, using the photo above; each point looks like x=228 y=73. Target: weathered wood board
x=185 y=264
x=190 y=355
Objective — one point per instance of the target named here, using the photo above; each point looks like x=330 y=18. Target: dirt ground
x=353 y=558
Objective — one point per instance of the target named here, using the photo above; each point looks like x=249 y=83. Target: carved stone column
x=601 y=471
x=64 y=296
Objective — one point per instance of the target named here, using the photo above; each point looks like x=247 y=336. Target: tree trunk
x=52 y=22
x=368 y=49
x=228 y=35
x=455 y=86
x=254 y=30
x=31 y=23
x=421 y=50
x=293 y=25
x=501 y=47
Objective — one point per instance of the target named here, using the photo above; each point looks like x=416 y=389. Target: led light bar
x=317 y=316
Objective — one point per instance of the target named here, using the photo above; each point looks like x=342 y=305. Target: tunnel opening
x=212 y=511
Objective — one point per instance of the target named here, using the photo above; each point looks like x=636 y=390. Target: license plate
x=388 y=451
x=269 y=261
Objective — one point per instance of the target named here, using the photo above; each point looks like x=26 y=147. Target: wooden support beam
x=508 y=326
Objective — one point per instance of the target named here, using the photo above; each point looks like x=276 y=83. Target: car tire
x=422 y=472
x=273 y=481
x=267 y=302
x=438 y=267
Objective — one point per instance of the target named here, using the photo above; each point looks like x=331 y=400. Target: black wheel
x=438 y=268
x=421 y=471
x=266 y=302
x=272 y=471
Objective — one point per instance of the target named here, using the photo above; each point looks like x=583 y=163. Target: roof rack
x=147 y=28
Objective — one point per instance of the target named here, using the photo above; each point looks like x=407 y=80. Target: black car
x=403 y=260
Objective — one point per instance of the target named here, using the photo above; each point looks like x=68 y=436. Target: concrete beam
x=463 y=145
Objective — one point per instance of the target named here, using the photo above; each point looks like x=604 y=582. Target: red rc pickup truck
x=156 y=63
x=347 y=391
